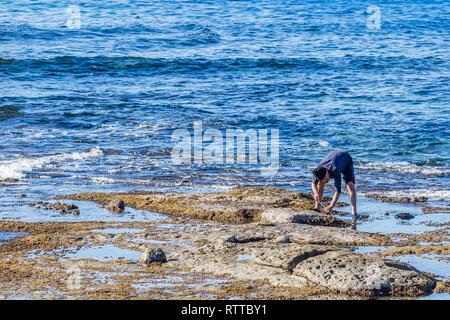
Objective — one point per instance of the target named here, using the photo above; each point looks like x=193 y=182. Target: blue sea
x=92 y=91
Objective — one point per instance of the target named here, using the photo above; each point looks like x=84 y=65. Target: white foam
x=404 y=167
x=410 y=193
x=16 y=169
x=429 y=193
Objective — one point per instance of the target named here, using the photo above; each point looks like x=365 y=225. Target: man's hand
x=316 y=197
x=328 y=209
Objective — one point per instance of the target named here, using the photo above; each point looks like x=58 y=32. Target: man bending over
x=331 y=167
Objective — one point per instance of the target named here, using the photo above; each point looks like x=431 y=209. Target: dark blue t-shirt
x=337 y=163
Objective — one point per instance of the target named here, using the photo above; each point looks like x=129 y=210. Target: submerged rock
x=116 y=206
x=348 y=271
x=404 y=216
x=420 y=199
x=57 y=206
x=151 y=255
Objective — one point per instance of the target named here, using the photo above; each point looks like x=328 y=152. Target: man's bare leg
x=352 y=194
x=320 y=187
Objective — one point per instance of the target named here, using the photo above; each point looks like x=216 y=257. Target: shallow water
x=93 y=108
x=243 y=257
x=428 y=263
x=104 y=253
x=89 y=211
x=436 y=296
x=8 y=235
x=385 y=224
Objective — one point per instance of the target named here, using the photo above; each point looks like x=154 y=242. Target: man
x=331 y=167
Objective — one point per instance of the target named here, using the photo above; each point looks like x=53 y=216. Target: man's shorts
x=349 y=173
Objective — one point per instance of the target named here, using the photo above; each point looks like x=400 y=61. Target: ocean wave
x=80 y=65
x=17 y=169
x=404 y=167
x=83 y=64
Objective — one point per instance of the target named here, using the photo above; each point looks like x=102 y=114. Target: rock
x=220 y=262
x=152 y=255
x=443 y=287
x=23 y=195
x=243 y=239
x=71 y=207
x=429 y=209
x=420 y=199
x=282 y=239
x=386 y=213
x=287 y=256
x=363 y=217
x=241 y=205
x=347 y=271
x=57 y=206
x=311 y=217
x=404 y=216
x=116 y=205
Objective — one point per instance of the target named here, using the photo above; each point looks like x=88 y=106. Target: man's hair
x=319 y=172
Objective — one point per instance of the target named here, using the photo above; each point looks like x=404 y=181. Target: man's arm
x=337 y=194
x=316 y=191
x=333 y=202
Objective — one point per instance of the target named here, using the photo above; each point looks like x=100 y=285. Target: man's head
x=321 y=174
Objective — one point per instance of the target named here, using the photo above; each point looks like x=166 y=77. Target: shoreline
x=218 y=246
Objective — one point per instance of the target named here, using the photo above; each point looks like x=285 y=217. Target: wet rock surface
x=348 y=271
x=116 y=205
x=311 y=217
x=404 y=216
x=241 y=205
x=288 y=256
x=261 y=242
x=151 y=255
x=56 y=206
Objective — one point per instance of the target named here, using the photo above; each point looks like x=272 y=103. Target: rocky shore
x=248 y=243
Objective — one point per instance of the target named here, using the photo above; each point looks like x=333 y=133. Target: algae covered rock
x=241 y=205
x=347 y=271
x=151 y=255
x=116 y=205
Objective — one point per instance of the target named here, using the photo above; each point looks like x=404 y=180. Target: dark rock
x=152 y=255
x=420 y=199
x=116 y=205
x=404 y=216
